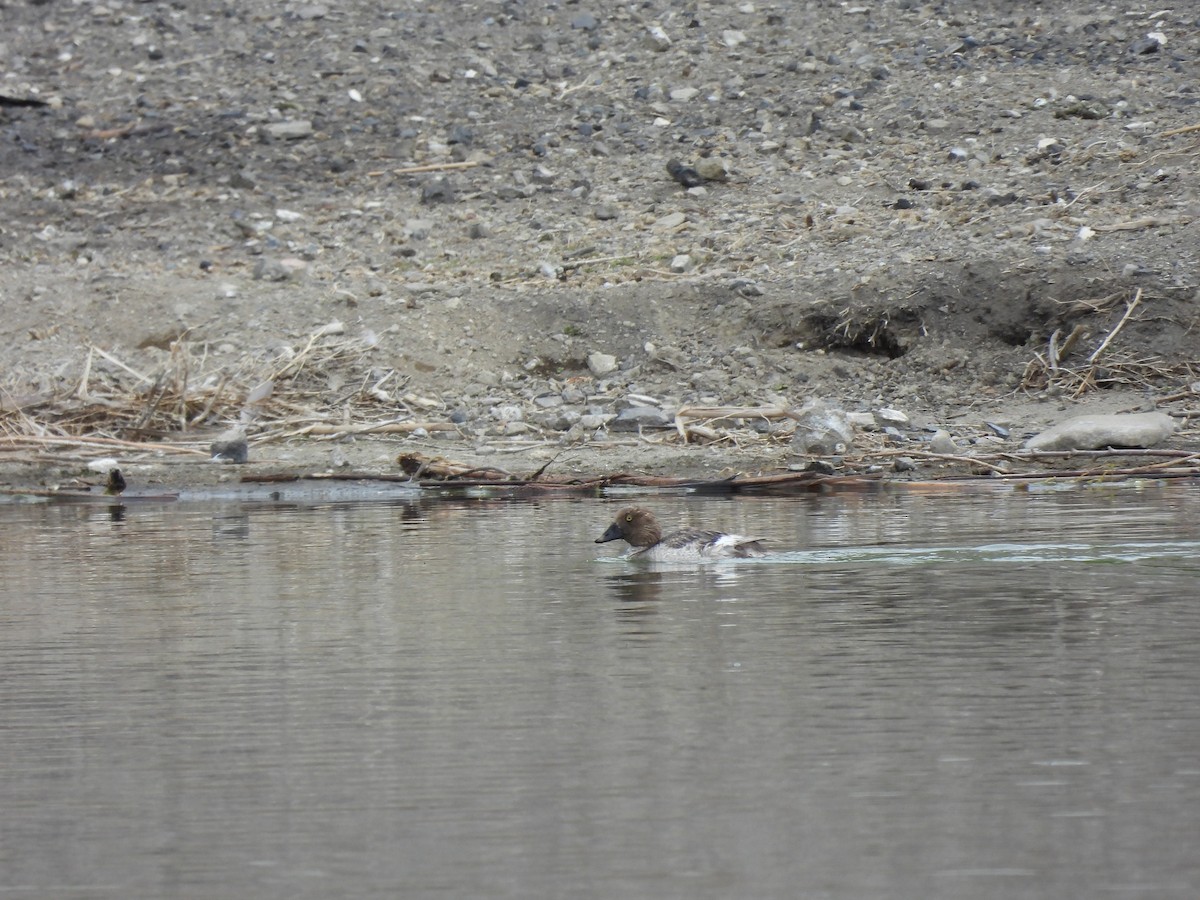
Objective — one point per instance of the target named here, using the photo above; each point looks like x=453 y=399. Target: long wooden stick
x=100 y=442
x=433 y=167
x=1184 y=130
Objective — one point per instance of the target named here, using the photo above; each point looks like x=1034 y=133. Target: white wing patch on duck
x=693 y=543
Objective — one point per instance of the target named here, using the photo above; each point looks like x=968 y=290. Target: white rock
x=943 y=443
x=657 y=39
x=1095 y=432
x=822 y=430
x=885 y=416
x=601 y=364
x=712 y=168
x=681 y=263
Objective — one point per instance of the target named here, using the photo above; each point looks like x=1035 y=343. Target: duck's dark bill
x=613 y=533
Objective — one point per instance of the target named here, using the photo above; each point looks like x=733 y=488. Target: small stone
x=732 y=38
x=605 y=212
x=584 y=21
x=508 y=413
x=684 y=94
x=712 y=168
x=681 y=263
x=418 y=229
x=290 y=130
x=638 y=417
x=230 y=450
x=685 y=175
x=601 y=364
x=903 y=464
x=657 y=39
x=271 y=270
x=437 y=190
x=1142 y=46
x=890 y=417
x=670 y=221
x=593 y=421
x=941 y=442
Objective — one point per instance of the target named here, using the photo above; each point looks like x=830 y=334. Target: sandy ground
x=458 y=218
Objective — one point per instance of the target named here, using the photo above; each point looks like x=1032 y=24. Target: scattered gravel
x=933 y=217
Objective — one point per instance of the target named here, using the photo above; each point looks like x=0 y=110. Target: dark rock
x=231 y=451
x=638 y=417
x=685 y=175
x=439 y=190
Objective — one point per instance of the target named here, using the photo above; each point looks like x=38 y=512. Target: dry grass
x=326 y=382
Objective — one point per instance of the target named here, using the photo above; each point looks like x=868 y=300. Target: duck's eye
x=629 y=517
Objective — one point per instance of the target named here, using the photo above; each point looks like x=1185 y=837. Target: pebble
x=712 y=168
x=437 y=190
x=997 y=429
x=594 y=421
x=601 y=364
x=271 y=270
x=886 y=416
x=657 y=39
x=508 y=412
x=637 y=417
x=685 y=175
x=681 y=263
x=290 y=130
x=942 y=442
x=230 y=450
x=418 y=229
x=104 y=465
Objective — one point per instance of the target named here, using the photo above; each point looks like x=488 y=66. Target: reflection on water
x=985 y=696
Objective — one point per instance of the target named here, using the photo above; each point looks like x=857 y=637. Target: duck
x=637 y=527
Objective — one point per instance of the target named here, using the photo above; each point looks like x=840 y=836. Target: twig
x=1129 y=308
x=116 y=362
x=1186 y=129
x=1135 y=225
x=104 y=442
x=433 y=167
x=82 y=391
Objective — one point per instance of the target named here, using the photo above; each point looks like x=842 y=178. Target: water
x=985 y=695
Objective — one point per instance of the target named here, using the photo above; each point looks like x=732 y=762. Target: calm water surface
x=990 y=695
